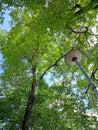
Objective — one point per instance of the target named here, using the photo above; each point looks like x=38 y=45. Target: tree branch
x=93 y=75
x=51 y=66
x=93 y=5
x=78 y=32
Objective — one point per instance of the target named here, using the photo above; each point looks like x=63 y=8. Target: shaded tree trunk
x=28 y=112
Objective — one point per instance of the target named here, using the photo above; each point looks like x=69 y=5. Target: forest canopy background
x=41 y=33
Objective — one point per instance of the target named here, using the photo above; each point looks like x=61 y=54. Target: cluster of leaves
x=58 y=107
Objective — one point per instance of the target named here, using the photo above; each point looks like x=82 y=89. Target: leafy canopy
x=41 y=33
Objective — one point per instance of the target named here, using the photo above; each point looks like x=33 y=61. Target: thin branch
x=86 y=91
x=36 y=52
x=55 y=64
x=81 y=10
x=25 y=57
x=78 y=32
x=93 y=75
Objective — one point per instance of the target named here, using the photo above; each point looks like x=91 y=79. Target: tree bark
x=28 y=112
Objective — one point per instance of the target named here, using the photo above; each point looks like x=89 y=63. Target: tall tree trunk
x=27 y=115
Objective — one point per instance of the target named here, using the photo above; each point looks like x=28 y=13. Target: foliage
x=59 y=108
x=40 y=36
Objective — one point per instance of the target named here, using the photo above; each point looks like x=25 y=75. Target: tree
x=40 y=37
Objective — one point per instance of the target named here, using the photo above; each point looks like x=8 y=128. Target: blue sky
x=4 y=26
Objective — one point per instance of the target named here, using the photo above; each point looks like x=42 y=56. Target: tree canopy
x=41 y=34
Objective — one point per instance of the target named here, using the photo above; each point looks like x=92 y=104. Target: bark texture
x=28 y=112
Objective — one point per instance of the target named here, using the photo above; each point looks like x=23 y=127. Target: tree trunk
x=28 y=112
